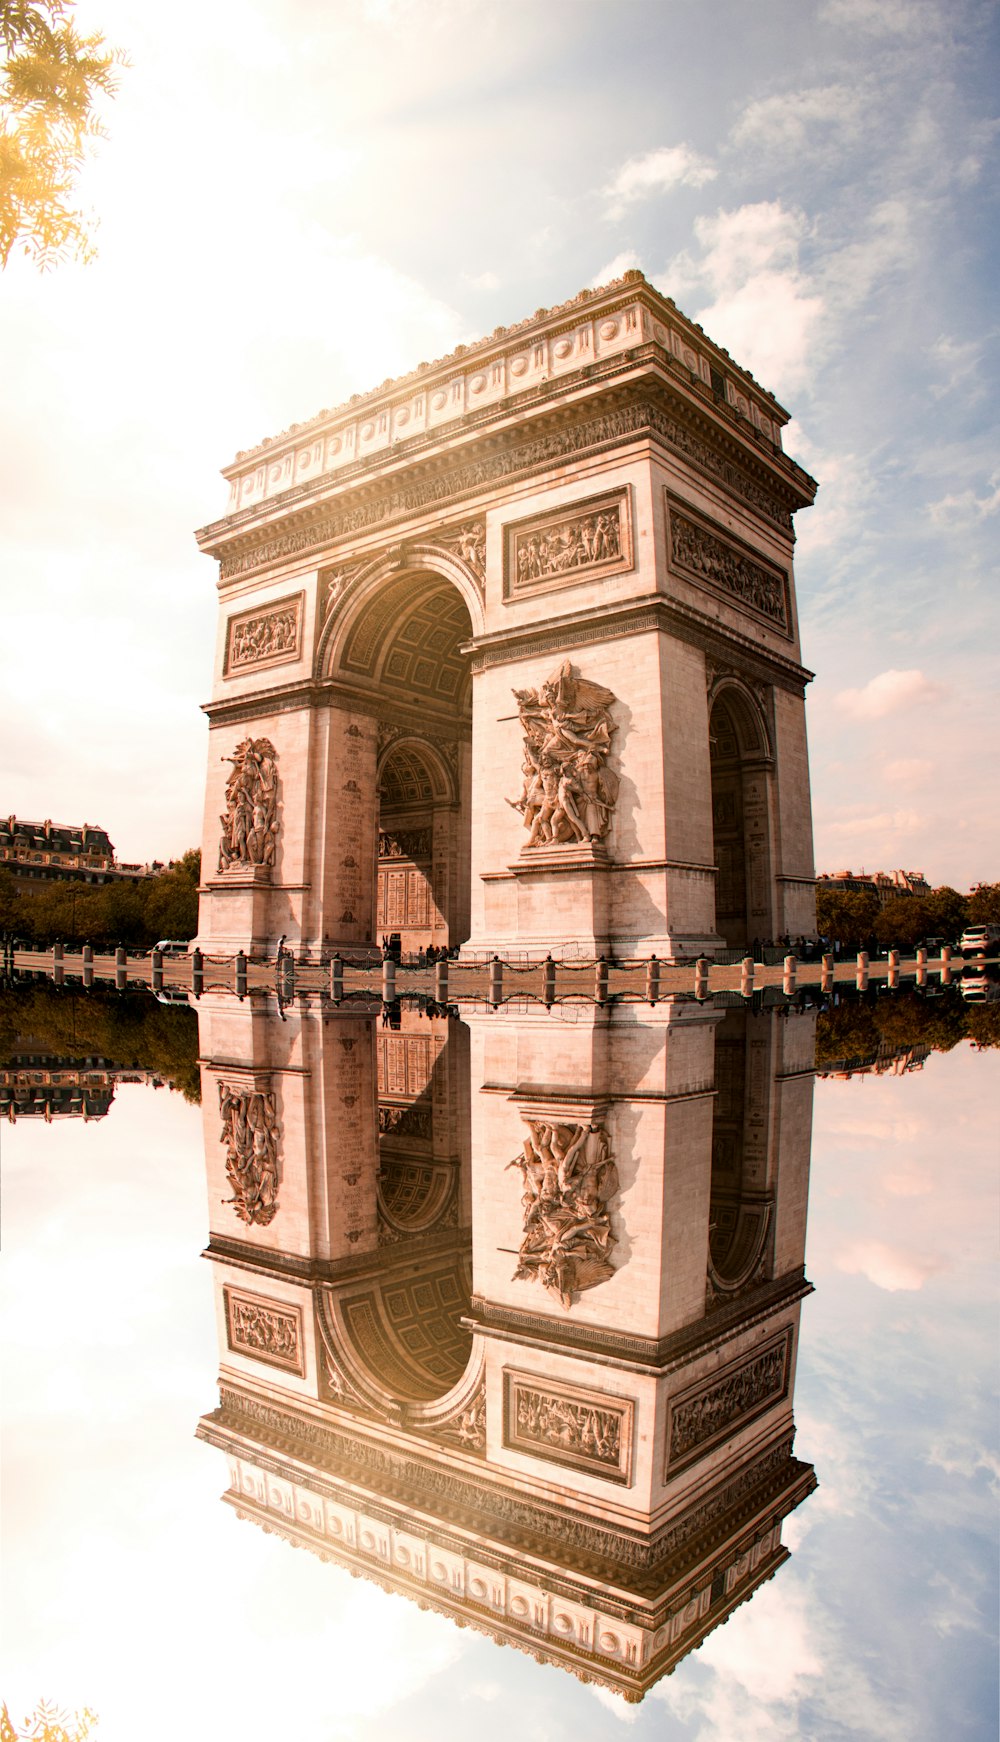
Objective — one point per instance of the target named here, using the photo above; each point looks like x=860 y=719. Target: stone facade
x=600 y=489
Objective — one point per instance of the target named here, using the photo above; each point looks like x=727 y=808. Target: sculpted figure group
x=250 y=822
x=569 y=1178
x=250 y=1134
x=569 y=793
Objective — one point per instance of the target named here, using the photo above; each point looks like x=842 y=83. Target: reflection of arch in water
x=398 y=1339
x=742 y=764
x=742 y=1199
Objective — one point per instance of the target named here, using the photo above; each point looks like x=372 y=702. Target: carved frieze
x=570 y=1177
x=271 y=635
x=250 y=822
x=267 y=1330
x=724 y=1403
x=590 y=541
x=492 y=468
x=250 y=1134
x=704 y=556
x=568 y=793
x=413 y=1121
x=588 y=1430
x=404 y=844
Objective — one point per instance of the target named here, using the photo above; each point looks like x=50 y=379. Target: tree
x=50 y=80
x=847 y=915
x=983 y=907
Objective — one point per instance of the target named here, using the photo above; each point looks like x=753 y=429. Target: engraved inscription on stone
x=585 y=1429
x=594 y=539
x=727 y=1401
x=268 y=1330
x=568 y=793
x=707 y=558
x=269 y=636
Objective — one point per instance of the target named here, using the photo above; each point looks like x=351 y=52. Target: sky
x=130 y=1587
x=300 y=198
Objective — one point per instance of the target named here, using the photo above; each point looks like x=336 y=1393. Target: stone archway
x=741 y=770
x=394 y=656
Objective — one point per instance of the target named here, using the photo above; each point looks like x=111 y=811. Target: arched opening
x=740 y=763
x=741 y=1205
x=400 y=651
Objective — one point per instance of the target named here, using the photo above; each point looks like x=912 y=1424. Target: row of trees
x=854 y=918
x=131 y=1029
x=858 y=1027
x=134 y=911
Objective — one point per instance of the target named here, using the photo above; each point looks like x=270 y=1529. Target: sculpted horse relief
x=569 y=793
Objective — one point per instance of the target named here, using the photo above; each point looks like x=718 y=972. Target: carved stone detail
x=389 y=732
x=335 y=585
x=250 y=822
x=570 y=1177
x=700 y=553
x=250 y=1134
x=469 y=542
x=712 y=1410
x=343 y=1455
x=414 y=1121
x=404 y=844
x=586 y=1430
x=266 y=1330
x=468 y=1427
x=270 y=636
x=593 y=540
x=569 y=793
x=492 y=468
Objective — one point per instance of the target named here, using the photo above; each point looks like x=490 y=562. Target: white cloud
x=765 y=309
x=886 y=1266
x=877 y=17
x=786 y=121
x=888 y=693
x=657 y=172
x=965 y=507
x=628 y=260
x=481 y=280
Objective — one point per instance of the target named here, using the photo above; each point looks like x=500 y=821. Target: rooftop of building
x=53 y=837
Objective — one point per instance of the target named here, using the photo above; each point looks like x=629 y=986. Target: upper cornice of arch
x=556 y=358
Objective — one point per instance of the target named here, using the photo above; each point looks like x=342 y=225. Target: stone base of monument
x=240 y=911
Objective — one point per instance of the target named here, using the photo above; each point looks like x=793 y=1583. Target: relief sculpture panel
x=569 y=1175
x=568 y=793
x=593 y=540
x=250 y=1135
x=587 y=1430
x=267 y=1330
x=270 y=636
x=700 y=553
x=720 y=1405
x=250 y=821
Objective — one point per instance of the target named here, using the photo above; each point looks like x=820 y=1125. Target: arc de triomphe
x=508 y=655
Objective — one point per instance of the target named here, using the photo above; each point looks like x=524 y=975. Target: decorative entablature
x=699 y=403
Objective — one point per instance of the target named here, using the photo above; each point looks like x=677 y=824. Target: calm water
x=132 y=1588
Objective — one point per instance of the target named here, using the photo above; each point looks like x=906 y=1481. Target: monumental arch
x=508 y=655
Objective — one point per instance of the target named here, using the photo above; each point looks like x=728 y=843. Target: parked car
x=981 y=940
x=172 y=947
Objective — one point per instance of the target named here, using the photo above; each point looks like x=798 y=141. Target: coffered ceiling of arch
x=405 y=779
x=408 y=641
x=408 y=1333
